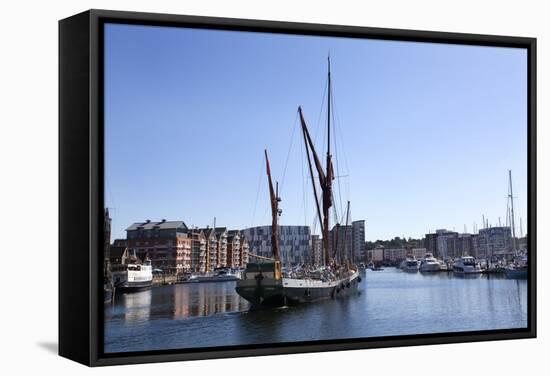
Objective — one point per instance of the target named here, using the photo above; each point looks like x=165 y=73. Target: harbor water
x=389 y=302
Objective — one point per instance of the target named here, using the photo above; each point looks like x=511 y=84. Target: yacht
x=132 y=276
x=466 y=265
x=410 y=264
x=429 y=264
x=443 y=267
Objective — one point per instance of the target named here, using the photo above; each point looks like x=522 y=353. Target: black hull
x=133 y=287
x=272 y=295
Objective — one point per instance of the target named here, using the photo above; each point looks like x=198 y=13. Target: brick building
x=166 y=243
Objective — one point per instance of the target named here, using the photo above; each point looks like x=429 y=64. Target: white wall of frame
x=28 y=188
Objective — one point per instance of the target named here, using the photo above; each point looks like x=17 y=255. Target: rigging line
x=320 y=112
x=340 y=137
x=337 y=159
x=265 y=213
x=337 y=114
x=260 y=179
x=304 y=183
x=288 y=154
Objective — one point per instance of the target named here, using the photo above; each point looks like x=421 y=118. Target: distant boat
x=466 y=265
x=429 y=264
x=516 y=272
x=443 y=267
x=220 y=275
x=410 y=264
x=518 y=269
x=372 y=266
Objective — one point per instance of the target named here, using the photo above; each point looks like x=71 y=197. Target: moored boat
x=429 y=264
x=263 y=283
x=410 y=264
x=466 y=265
x=518 y=269
x=516 y=272
x=132 y=276
x=220 y=275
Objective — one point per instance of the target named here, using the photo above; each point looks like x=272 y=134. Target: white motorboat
x=429 y=264
x=466 y=265
x=132 y=276
x=410 y=264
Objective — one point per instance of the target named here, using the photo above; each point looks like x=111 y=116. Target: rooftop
x=162 y=225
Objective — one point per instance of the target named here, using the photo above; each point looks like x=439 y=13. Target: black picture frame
x=81 y=185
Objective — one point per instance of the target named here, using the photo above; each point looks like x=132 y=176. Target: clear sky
x=425 y=133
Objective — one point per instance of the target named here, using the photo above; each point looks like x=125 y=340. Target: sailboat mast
x=327 y=191
x=328 y=112
x=512 y=211
x=274 y=198
x=346 y=234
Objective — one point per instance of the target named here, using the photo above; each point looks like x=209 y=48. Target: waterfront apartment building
x=418 y=253
x=493 y=242
x=348 y=241
x=245 y=251
x=116 y=251
x=221 y=256
x=234 y=249
x=375 y=255
x=198 y=250
x=294 y=243
x=430 y=243
x=445 y=244
x=317 y=250
x=166 y=243
x=340 y=240
x=358 y=235
x=463 y=245
x=211 y=249
x=393 y=255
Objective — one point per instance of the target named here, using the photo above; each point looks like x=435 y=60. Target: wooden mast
x=275 y=212
x=325 y=177
x=327 y=189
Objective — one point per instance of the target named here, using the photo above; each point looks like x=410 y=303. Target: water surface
x=389 y=302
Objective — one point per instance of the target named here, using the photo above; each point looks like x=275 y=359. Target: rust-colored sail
x=274 y=212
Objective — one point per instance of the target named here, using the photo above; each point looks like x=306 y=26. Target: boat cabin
x=270 y=270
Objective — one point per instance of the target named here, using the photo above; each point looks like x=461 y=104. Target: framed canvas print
x=236 y=187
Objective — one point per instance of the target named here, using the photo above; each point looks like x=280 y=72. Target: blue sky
x=425 y=133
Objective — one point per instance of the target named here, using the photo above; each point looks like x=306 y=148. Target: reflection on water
x=389 y=302
x=205 y=299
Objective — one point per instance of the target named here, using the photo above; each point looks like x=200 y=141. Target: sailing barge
x=264 y=284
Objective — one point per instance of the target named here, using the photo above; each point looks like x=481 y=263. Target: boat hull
x=466 y=271
x=127 y=287
x=516 y=274
x=268 y=293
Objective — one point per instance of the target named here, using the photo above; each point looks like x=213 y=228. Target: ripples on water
x=390 y=302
